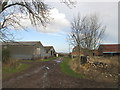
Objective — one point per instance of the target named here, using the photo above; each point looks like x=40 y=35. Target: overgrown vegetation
x=107 y=71
x=11 y=65
x=15 y=68
x=8 y=70
x=5 y=55
x=65 y=68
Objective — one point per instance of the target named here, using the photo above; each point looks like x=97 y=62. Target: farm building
x=95 y=52
x=25 y=50
x=103 y=50
x=109 y=49
x=50 y=51
x=75 y=52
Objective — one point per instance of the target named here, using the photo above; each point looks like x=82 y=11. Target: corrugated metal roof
x=26 y=43
x=110 y=47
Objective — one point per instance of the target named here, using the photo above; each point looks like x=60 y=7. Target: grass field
x=65 y=68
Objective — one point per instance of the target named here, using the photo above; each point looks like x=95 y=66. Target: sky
x=56 y=32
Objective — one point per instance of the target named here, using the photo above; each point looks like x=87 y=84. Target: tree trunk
x=79 y=62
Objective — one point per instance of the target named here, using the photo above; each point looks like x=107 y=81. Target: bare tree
x=11 y=12
x=69 y=3
x=36 y=10
x=86 y=33
x=75 y=36
x=93 y=32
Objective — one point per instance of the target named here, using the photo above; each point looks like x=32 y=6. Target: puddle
x=57 y=61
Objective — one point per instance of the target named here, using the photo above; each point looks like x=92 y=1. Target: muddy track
x=48 y=75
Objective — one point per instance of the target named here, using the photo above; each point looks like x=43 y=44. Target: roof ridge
x=48 y=46
x=109 y=44
x=21 y=43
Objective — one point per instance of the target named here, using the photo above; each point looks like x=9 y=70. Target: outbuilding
x=50 y=51
x=109 y=49
x=25 y=50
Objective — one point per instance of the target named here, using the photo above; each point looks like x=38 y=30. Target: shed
x=25 y=50
x=50 y=51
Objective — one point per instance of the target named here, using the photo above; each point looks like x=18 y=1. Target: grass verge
x=16 y=68
x=65 y=68
x=11 y=71
x=39 y=60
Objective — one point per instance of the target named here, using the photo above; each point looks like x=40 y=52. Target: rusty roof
x=110 y=47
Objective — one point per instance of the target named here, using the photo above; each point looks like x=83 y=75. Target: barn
x=109 y=49
x=50 y=51
x=25 y=50
x=103 y=50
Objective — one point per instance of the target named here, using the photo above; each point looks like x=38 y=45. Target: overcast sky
x=56 y=32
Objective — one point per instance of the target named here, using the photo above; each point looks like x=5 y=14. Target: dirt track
x=48 y=75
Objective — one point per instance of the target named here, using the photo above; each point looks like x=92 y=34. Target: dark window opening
x=51 y=53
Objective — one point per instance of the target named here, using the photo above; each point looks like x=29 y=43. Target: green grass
x=18 y=68
x=65 y=68
x=39 y=60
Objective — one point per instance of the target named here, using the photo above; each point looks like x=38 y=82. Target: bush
x=5 y=55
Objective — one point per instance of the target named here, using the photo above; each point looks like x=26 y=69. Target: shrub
x=5 y=55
